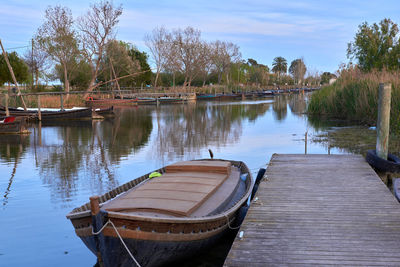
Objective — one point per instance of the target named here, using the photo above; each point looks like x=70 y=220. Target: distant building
x=332 y=80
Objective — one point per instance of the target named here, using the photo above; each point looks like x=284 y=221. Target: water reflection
x=72 y=154
x=187 y=129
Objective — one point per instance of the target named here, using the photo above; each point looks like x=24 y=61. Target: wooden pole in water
x=12 y=74
x=39 y=112
x=382 y=141
x=7 y=111
x=305 y=143
x=61 y=102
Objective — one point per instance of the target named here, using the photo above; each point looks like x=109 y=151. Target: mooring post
x=61 y=102
x=382 y=127
x=97 y=224
x=305 y=143
x=7 y=111
x=39 y=112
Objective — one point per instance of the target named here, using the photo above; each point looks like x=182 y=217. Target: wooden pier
x=319 y=210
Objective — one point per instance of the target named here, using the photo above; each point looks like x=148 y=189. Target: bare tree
x=37 y=61
x=224 y=53
x=205 y=62
x=56 y=38
x=159 y=47
x=189 y=45
x=96 y=28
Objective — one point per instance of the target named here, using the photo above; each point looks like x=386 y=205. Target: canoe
x=165 y=219
x=13 y=125
x=93 y=102
x=84 y=113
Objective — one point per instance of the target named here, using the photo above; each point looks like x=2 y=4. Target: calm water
x=57 y=167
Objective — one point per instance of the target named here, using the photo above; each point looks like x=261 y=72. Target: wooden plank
x=320 y=210
x=213 y=166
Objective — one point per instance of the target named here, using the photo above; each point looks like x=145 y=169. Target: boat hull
x=157 y=241
x=111 y=102
x=18 y=126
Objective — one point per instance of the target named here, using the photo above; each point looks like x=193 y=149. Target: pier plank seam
x=319 y=210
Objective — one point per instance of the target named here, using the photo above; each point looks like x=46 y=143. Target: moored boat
x=46 y=115
x=13 y=125
x=93 y=102
x=166 y=218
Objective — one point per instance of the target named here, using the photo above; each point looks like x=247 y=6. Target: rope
x=120 y=238
x=229 y=224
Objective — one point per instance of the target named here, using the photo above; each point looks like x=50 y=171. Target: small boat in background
x=156 y=221
x=13 y=125
x=46 y=114
x=93 y=102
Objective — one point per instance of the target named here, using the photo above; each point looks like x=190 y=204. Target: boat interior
x=186 y=189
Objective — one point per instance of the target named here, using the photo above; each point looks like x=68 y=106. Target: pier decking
x=319 y=210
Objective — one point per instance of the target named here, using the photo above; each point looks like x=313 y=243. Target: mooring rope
x=229 y=224
x=120 y=238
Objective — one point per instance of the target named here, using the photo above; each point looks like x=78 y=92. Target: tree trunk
x=66 y=81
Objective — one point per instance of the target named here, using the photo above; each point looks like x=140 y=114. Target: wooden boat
x=13 y=125
x=84 y=113
x=147 y=101
x=167 y=218
x=93 y=102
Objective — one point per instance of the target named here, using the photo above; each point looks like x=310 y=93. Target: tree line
x=83 y=53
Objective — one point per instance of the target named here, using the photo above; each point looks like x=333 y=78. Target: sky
x=317 y=31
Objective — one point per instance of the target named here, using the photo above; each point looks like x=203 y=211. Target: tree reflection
x=279 y=107
x=87 y=152
x=183 y=130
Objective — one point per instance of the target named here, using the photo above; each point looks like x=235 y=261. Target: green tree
x=298 y=69
x=141 y=57
x=376 y=46
x=19 y=67
x=279 y=66
x=326 y=76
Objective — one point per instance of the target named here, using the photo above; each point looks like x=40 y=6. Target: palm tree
x=279 y=65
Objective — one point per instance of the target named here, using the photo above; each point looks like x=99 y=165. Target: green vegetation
x=354 y=96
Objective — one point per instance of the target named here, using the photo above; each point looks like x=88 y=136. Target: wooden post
x=12 y=74
x=305 y=143
x=7 y=111
x=61 y=102
x=39 y=112
x=382 y=141
x=97 y=225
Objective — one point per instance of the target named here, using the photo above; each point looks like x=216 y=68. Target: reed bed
x=354 y=96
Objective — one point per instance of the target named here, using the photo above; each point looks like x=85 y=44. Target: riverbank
x=354 y=96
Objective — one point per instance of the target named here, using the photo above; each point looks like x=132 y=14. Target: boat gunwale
x=120 y=215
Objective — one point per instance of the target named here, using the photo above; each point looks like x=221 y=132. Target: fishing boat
x=93 y=102
x=160 y=220
x=13 y=125
x=46 y=114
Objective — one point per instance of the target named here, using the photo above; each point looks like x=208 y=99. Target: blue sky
x=318 y=31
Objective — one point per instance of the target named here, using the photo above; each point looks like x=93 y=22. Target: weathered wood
x=319 y=210
x=39 y=111
x=382 y=140
x=7 y=111
x=12 y=75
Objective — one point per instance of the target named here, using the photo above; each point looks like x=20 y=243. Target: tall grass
x=354 y=96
